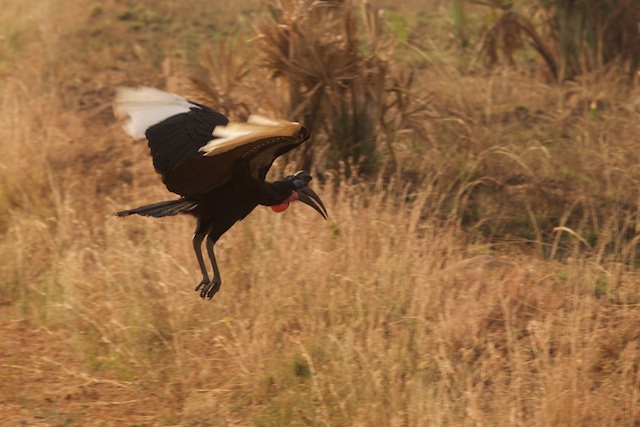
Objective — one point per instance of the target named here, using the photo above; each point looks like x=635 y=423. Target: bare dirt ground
x=42 y=384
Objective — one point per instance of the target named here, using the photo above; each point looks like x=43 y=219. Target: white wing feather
x=145 y=107
x=257 y=127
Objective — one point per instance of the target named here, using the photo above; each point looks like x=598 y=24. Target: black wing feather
x=262 y=157
x=206 y=173
x=180 y=137
x=175 y=145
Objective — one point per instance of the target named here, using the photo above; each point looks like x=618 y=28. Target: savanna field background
x=480 y=165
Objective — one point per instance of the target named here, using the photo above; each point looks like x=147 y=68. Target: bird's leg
x=198 y=237
x=210 y=289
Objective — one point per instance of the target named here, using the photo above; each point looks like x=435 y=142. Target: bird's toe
x=204 y=282
x=208 y=289
x=214 y=288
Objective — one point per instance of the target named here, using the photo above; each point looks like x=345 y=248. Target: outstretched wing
x=241 y=150
x=176 y=128
x=194 y=148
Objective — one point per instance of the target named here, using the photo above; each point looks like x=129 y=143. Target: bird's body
x=218 y=168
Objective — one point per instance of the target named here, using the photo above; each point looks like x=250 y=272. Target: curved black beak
x=306 y=195
x=309 y=197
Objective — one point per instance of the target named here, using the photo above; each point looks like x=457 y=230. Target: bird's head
x=300 y=190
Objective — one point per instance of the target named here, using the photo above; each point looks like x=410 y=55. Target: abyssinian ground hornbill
x=218 y=168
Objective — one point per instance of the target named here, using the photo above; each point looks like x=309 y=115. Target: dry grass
x=389 y=314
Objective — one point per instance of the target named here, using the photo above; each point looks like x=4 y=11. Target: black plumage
x=216 y=167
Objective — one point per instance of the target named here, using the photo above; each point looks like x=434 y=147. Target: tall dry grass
x=389 y=314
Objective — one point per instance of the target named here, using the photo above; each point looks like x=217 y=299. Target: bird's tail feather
x=167 y=208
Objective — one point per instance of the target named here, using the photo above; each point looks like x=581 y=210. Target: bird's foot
x=208 y=289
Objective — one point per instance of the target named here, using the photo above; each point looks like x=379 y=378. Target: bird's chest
x=229 y=203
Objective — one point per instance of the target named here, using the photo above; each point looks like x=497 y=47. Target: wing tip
x=144 y=106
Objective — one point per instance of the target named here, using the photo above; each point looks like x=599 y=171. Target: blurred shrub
x=573 y=37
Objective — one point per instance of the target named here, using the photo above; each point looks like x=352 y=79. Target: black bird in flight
x=218 y=168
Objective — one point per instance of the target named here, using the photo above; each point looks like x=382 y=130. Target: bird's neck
x=274 y=193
